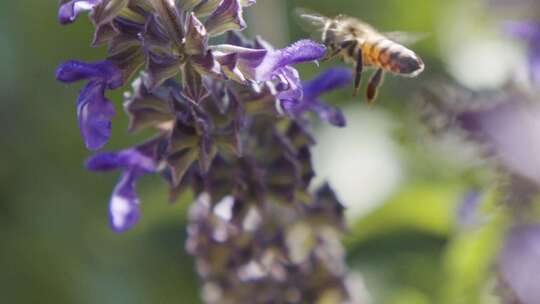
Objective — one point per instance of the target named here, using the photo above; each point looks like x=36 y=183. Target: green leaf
x=424 y=207
x=470 y=255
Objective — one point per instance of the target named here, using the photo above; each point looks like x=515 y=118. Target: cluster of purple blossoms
x=519 y=119
x=230 y=126
x=527 y=29
x=505 y=127
x=505 y=123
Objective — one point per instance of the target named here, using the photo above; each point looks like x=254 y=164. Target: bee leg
x=331 y=55
x=374 y=83
x=358 y=72
x=337 y=49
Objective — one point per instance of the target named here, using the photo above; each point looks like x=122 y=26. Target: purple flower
x=330 y=80
x=94 y=110
x=276 y=66
x=263 y=64
x=135 y=162
x=101 y=71
x=69 y=11
x=222 y=135
x=271 y=65
x=519 y=264
x=512 y=131
x=102 y=11
x=530 y=32
x=268 y=64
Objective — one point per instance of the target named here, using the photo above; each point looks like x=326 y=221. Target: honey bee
x=358 y=43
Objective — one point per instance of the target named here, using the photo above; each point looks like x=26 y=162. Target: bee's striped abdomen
x=371 y=50
x=392 y=57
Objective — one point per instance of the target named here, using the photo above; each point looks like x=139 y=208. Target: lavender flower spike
x=94 y=110
x=530 y=32
x=124 y=210
x=229 y=131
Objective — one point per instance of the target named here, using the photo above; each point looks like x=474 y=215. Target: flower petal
x=522 y=29
x=194 y=89
x=128 y=61
x=154 y=37
x=327 y=113
x=206 y=64
x=106 y=161
x=227 y=17
x=124 y=205
x=301 y=51
x=104 y=33
x=124 y=34
x=329 y=80
x=230 y=69
x=69 y=11
x=106 y=10
x=124 y=210
x=150 y=109
x=288 y=84
x=266 y=64
x=160 y=68
x=530 y=32
x=94 y=112
x=512 y=129
x=330 y=114
x=196 y=36
x=171 y=19
x=101 y=71
x=139 y=159
x=519 y=263
x=180 y=162
x=206 y=7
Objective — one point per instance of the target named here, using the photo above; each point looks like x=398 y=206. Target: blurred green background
x=402 y=189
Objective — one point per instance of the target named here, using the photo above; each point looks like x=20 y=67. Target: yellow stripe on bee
x=374 y=50
x=367 y=49
x=384 y=58
x=385 y=49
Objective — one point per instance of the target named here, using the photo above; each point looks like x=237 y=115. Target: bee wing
x=310 y=20
x=405 y=38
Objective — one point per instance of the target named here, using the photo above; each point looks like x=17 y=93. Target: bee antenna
x=310 y=16
x=313 y=18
